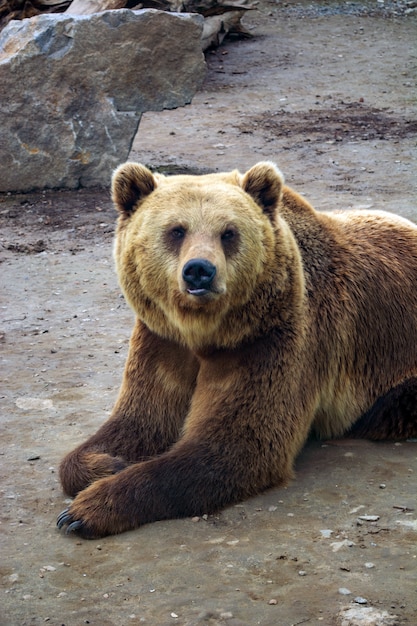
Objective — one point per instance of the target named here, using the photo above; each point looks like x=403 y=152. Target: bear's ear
x=131 y=183
x=264 y=183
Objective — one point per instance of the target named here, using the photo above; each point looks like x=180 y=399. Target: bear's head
x=192 y=252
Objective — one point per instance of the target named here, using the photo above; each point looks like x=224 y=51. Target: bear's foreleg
x=158 y=383
x=241 y=436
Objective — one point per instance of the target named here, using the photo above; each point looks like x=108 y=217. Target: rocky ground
x=327 y=90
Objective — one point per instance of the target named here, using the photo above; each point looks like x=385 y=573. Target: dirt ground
x=327 y=90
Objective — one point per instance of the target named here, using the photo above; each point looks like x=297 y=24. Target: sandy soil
x=325 y=90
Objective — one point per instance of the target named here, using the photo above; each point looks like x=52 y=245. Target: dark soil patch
x=54 y=220
x=345 y=122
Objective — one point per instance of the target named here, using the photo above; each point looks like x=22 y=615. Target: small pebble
x=302 y=573
x=369 y=518
x=369 y=565
x=338 y=545
x=344 y=592
x=226 y=615
x=273 y=601
x=382 y=486
x=357 y=508
x=360 y=600
x=174 y=615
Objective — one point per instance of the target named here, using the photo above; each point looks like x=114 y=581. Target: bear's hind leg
x=393 y=416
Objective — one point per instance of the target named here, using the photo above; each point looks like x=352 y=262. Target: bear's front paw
x=80 y=469
x=96 y=512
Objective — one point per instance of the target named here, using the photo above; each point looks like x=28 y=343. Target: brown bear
x=258 y=321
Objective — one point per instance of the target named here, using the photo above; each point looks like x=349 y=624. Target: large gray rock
x=73 y=89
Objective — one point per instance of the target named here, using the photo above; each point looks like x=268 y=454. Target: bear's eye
x=228 y=235
x=177 y=233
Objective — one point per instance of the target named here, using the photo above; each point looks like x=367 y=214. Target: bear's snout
x=198 y=274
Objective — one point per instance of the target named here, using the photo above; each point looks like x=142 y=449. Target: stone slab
x=73 y=89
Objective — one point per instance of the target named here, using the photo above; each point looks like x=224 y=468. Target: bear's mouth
x=201 y=296
x=199 y=292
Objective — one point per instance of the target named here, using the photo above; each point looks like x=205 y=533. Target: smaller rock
x=344 y=592
x=360 y=600
x=369 y=518
x=344 y=543
x=366 y=616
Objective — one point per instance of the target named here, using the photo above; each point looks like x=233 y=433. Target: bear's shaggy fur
x=259 y=321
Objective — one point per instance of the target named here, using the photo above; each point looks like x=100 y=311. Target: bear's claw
x=64 y=518
x=74 y=526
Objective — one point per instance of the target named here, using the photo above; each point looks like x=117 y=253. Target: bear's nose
x=198 y=274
